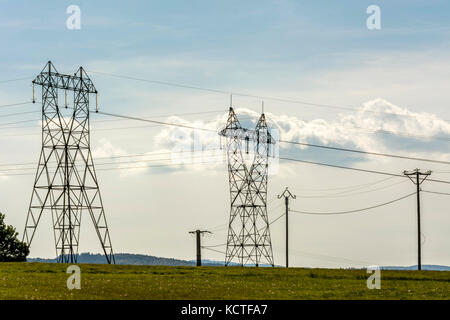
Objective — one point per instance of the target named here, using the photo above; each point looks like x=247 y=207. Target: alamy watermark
x=201 y=145
x=374 y=281
x=374 y=20
x=74 y=280
x=73 y=22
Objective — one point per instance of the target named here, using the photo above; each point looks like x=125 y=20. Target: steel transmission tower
x=248 y=239
x=66 y=183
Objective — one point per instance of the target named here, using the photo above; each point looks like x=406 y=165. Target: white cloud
x=378 y=126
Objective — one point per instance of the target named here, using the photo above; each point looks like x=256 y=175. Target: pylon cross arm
x=248 y=135
x=64 y=81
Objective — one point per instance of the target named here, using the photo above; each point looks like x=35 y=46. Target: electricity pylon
x=66 y=183
x=248 y=239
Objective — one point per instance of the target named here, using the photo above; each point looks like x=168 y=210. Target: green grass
x=48 y=281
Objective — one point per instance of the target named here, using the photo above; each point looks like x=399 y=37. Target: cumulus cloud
x=378 y=126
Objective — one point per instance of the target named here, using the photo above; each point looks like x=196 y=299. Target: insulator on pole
x=34 y=98
x=66 y=98
x=246 y=144
x=257 y=142
x=220 y=142
x=96 y=102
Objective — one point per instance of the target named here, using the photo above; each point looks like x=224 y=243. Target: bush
x=11 y=248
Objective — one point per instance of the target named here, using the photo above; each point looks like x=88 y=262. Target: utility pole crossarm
x=286 y=194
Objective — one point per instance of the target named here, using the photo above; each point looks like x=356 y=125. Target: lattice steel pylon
x=66 y=183
x=248 y=239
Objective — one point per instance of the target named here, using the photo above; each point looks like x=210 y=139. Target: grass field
x=48 y=281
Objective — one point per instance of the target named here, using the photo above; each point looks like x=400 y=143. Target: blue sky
x=317 y=51
x=227 y=45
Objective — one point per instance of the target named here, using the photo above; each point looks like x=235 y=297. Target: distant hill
x=131 y=259
x=143 y=259
x=432 y=267
x=137 y=259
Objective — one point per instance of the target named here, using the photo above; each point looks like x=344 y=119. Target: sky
x=393 y=79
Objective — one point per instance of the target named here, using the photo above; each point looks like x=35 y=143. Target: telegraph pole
x=287 y=194
x=198 y=234
x=420 y=177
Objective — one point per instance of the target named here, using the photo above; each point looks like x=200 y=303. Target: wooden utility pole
x=287 y=194
x=198 y=234
x=419 y=178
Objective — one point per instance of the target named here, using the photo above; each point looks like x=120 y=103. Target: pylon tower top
x=50 y=77
x=233 y=129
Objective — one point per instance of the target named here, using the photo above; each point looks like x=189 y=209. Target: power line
x=328 y=258
x=276 y=219
x=208 y=157
x=357 y=210
x=355 y=169
x=227 y=92
x=211 y=157
x=145 y=154
x=282 y=158
x=383 y=131
x=219 y=227
x=13 y=80
x=281 y=141
x=259 y=97
x=126 y=168
x=150 y=160
x=17 y=114
x=284 y=141
x=350 y=192
x=436 y=192
x=220 y=111
x=222 y=226
x=342 y=167
x=285 y=158
x=216 y=245
x=349 y=188
x=16 y=122
x=156 y=121
x=15 y=104
x=213 y=250
x=365 y=152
